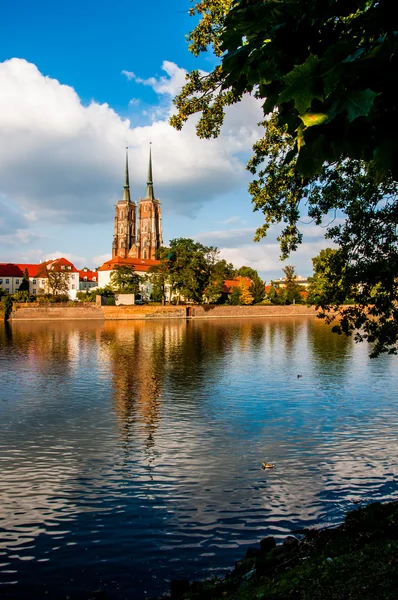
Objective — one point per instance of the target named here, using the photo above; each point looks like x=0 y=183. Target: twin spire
x=149 y=185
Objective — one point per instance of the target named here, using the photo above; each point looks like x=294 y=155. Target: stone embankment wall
x=56 y=312
x=120 y=313
x=86 y=311
x=261 y=310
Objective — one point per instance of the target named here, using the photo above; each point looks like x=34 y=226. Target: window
x=73 y=287
x=34 y=282
x=7 y=289
x=63 y=267
x=122 y=214
x=34 y=291
x=17 y=281
x=94 y=279
x=146 y=207
x=85 y=278
x=7 y=281
x=1 y=281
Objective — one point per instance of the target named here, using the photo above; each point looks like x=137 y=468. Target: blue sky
x=78 y=81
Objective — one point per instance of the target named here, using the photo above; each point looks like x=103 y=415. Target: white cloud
x=62 y=161
x=168 y=84
x=99 y=260
x=73 y=258
x=264 y=257
x=227 y=237
x=129 y=74
x=232 y=220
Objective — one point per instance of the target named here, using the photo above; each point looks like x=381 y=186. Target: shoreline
x=84 y=312
x=357 y=559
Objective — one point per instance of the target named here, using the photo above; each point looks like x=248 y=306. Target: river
x=131 y=452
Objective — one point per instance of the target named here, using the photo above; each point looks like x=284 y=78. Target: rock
x=267 y=544
x=290 y=542
x=178 y=587
x=252 y=552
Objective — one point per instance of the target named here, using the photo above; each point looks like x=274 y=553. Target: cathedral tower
x=124 y=234
x=149 y=237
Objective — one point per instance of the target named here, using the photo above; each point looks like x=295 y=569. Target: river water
x=130 y=453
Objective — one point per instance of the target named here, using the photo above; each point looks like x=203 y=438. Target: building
x=40 y=276
x=87 y=279
x=129 y=239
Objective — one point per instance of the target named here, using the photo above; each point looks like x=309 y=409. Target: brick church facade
x=137 y=240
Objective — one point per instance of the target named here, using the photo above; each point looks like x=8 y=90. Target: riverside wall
x=88 y=312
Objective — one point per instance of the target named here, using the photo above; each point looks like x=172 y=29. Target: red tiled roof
x=32 y=269
x=139 y=264
x=89 y=275
x=61 y=262
x=10 y=270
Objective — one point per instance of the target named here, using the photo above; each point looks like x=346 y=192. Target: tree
x=57 y=279
x=245 y=294
x=7 y=307
x=291 y=288
x=327 y=279
x=124 y=280
x=257 y=288
x=24 y=287
x=158 y=276
x=325 y=73
x=220 y=271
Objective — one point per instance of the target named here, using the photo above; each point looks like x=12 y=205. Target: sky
x=81 y=80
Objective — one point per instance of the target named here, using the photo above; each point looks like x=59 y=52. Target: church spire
x=126 y=187
x=149 y=183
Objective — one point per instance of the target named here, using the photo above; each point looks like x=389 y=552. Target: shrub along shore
x=356 y=560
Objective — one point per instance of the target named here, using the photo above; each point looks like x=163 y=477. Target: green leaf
x=359 y=103
x=311 y=158
x=301 y=85
x=310 y=119
x=300 y=137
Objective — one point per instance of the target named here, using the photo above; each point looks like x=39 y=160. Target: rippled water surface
x=130 y=453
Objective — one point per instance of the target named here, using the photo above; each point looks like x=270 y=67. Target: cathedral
x=137 y=240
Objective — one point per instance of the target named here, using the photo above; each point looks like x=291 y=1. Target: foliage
x=91 y=294
x=124 y=280
x=57 y=279
x=219 y=273
x=24 y=287
x=272 y=295
x=325 y=72
x=52 y=298
x=240 y=293
x=158 y=276
x=291 y=290
x=23 y=296
x=189 y=270
x=7 y=306
x=245 y=294
x=327 y=68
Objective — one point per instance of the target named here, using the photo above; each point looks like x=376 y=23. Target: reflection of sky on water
x=123 y=441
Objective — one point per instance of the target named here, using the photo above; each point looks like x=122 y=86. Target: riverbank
x=86 y=312
x=357 y=560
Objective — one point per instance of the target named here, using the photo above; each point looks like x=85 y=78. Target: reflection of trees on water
x=138 y=359
x=148 y=360
x=329 y=352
